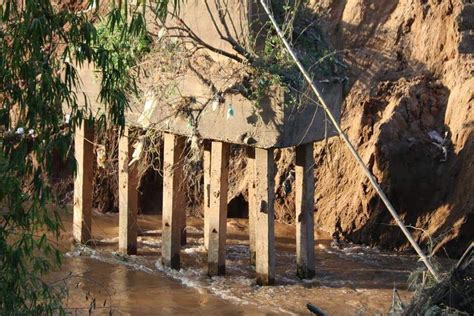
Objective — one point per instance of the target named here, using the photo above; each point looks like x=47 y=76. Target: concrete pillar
x=174 y=213
x=304 y=200
x=84 y=153
x=217 y=228
x=128 y=196
x=207 y=188
x=264 y=224
x=253 y=206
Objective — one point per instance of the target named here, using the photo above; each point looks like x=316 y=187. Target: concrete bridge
x=221 y=115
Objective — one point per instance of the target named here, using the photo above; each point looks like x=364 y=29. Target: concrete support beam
x=304 y=200
x=217 y=227
x=207 y=190
x=264 y=224
x=84 y=153
x=253 y=205
x=128 y=196
x=174 y=213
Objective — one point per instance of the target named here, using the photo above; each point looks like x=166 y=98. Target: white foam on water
x=133 y=262
x=151 y=232
x=109 y=240
x=238 y=286
x=190 y=277
x=195 y=250
x=152 y=243
x=193 y=229
x=80 y=250
x=237 y=289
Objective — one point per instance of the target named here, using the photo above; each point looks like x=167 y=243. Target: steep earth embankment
x=410 y=112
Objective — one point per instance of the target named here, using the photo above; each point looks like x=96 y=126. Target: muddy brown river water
x=354 y=280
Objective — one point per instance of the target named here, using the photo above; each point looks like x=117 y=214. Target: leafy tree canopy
x=43 y=43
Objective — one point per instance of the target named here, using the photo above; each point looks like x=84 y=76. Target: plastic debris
x=101 y=156
x=440 y=142
x=20 y=131
x=137 y=152
x=286 y=186
x=195 y=143
x=161 y=33
x=435 y=136
x=215 y=104
x=149 y=108
x=230 y=111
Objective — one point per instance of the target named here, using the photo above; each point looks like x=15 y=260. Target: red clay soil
x=411 y=70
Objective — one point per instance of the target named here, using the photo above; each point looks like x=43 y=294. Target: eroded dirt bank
x=410 y=111
x=411 y=97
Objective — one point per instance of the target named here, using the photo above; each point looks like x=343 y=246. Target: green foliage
x=42 y=45
x=258 y=84
x=161 y=7
x=125 y=48
x=277 y=67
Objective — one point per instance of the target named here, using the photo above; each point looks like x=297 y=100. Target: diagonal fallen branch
x=349 y=145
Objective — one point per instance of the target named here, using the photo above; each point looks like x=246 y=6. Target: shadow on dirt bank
x=418 y=168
